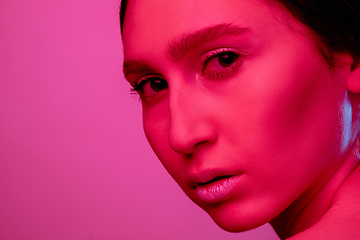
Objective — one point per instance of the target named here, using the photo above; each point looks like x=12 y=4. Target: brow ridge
x=135 y=66
x=179 y=47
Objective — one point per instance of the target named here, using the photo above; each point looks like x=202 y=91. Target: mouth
x=214 y=180
x=216 y=189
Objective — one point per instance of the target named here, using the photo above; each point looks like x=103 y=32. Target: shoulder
x=342 y=220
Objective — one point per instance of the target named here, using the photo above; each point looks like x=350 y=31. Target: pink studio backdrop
x=74 y=162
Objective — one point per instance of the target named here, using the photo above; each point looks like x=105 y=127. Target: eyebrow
x=135 y=66
x=190 y=41
x=187 y=42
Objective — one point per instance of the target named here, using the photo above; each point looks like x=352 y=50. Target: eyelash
x=217 y=53
x=138 y=86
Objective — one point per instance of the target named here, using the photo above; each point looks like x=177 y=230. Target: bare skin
x=246 y=115
x=336 y=207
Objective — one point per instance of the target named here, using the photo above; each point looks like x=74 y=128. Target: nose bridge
x=188 y=125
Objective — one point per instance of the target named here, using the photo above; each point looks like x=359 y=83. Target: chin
x=234 y=226
x=236 y=221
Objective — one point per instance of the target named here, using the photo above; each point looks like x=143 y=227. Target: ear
x=353 y=80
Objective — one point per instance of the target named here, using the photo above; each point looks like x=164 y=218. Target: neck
x=316 y=201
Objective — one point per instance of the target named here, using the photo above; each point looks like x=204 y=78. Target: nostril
x=189 y=126
x=188 y=143
x=182 y=144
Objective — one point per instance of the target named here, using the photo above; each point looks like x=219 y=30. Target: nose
x=191 y=125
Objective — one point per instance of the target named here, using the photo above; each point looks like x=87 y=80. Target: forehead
x=157 y=22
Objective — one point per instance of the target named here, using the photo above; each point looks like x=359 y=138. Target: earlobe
x=353 y=81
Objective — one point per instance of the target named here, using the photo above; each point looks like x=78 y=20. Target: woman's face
x=238 y=104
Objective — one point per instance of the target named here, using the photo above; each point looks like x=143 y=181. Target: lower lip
x=218 y=190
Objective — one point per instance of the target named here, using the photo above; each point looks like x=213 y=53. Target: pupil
x=158 y=84
x=226 y=59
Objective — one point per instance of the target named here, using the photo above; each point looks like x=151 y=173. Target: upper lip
x=207 y=176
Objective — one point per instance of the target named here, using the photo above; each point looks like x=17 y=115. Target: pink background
x=74 y=162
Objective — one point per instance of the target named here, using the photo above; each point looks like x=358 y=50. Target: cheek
x=284 y=120
x=297 y=97
x=156 y=128
x=155 y=123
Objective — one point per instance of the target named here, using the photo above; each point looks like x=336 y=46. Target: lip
x=213 y=186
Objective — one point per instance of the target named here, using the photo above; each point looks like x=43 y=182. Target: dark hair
x=123 y=6
x=335 y=23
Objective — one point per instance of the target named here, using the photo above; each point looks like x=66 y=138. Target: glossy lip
x=213 y=185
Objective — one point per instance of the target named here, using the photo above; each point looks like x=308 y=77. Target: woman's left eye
x=218 y=62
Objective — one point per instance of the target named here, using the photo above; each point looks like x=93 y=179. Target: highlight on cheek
x=346 y=120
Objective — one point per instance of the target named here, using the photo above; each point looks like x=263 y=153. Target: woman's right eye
x=150 y=86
